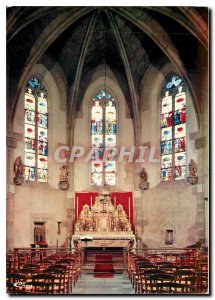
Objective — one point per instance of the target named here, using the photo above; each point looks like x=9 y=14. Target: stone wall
x=166 y=205
x=41 y=202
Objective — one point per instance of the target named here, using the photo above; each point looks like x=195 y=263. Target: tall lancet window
x=36 y=131
x=173 y=129
x=103 y=135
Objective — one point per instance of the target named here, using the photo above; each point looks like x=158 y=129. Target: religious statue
x=192 y=178
x=121 y=220
x=192 y=168
x=63 y=184
x=144 y=184
x=64 y=173
x=19 y=169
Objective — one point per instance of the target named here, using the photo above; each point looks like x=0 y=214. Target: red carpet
x=103 y=257
x=103 y=267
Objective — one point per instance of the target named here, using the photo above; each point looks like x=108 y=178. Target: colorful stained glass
x=96 y=179
x=166 y=120
x=110 y=179
x=166 y=104
x=110 y=167
x=43 y=148
x=29 y=145
x=174 y=82
x=180 y=131
x=166 y=147
x=42 y=134
x=110 y=141
x=180 y=172
x=180 y=159
x=166 y=174
x=103 y=135
x=180 y=102
x=42 y=105
x=42 y=162
x=29 y=131
x=29 y=100
x=173 y=130
x=42 y=175
x=98 y=153
x=180 y=144
x=36 y=133
x=29 y=117
x=166 y=134
x=97 y=167
x=30 y=166
x=42 y=120
x=110 y=153
x=97 y=141
x=166 y=161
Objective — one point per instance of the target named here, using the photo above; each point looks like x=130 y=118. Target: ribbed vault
x=126 y=39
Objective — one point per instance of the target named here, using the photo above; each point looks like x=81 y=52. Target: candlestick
x=77 y=211
x=129 y=213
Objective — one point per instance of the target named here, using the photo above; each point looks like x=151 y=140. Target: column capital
x=11 y=142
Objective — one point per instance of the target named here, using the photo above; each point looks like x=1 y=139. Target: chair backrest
x=161 y=278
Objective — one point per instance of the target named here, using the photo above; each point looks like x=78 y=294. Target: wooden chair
x=140 y=268
x=59 y=280
x=15 y=283
x=41 y=284
x=188 y=278
x=170 y=288
x=65 y=270
x=144 y=284
x=156 y=280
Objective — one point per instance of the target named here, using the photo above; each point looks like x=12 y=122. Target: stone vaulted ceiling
x=127 y=39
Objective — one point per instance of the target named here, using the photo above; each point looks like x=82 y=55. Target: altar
x=103 y=223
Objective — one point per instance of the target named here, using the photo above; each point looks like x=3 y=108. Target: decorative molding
x=200 y=143
x=193 y=136
x=11 y=142
x=106 y=237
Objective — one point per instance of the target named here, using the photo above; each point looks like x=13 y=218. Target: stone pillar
x=200 y=145
x=11 y=145
x=69 y=214
x=138 y=213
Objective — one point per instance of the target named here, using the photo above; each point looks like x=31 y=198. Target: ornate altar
x=105 y=222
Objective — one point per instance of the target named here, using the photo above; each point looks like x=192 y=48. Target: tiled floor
x=88 y=285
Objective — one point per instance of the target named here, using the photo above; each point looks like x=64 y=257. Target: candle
x=91 y=202
x=115 y=202
x=129 y=213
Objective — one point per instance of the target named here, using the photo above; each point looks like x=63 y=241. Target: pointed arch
x=173 y=128
x=103 y=138
x=36 y=131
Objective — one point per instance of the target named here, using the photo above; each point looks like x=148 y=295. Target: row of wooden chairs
x=55 y=274
x=148 y=276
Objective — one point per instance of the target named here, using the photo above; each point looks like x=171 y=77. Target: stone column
x=11 y=145
x=69 y=214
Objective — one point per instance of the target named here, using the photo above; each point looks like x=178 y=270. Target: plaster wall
x=34 y=201
x=166 y=205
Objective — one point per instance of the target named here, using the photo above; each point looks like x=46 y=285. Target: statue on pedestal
x=192 y=178
x=144 y=184
x=63 y=184
x=19 y=169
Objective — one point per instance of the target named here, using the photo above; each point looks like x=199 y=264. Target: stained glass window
x=173 y=129
x=36 y=131
x=103 y=134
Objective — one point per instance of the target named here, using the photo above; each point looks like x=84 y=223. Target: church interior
x=113 y=198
